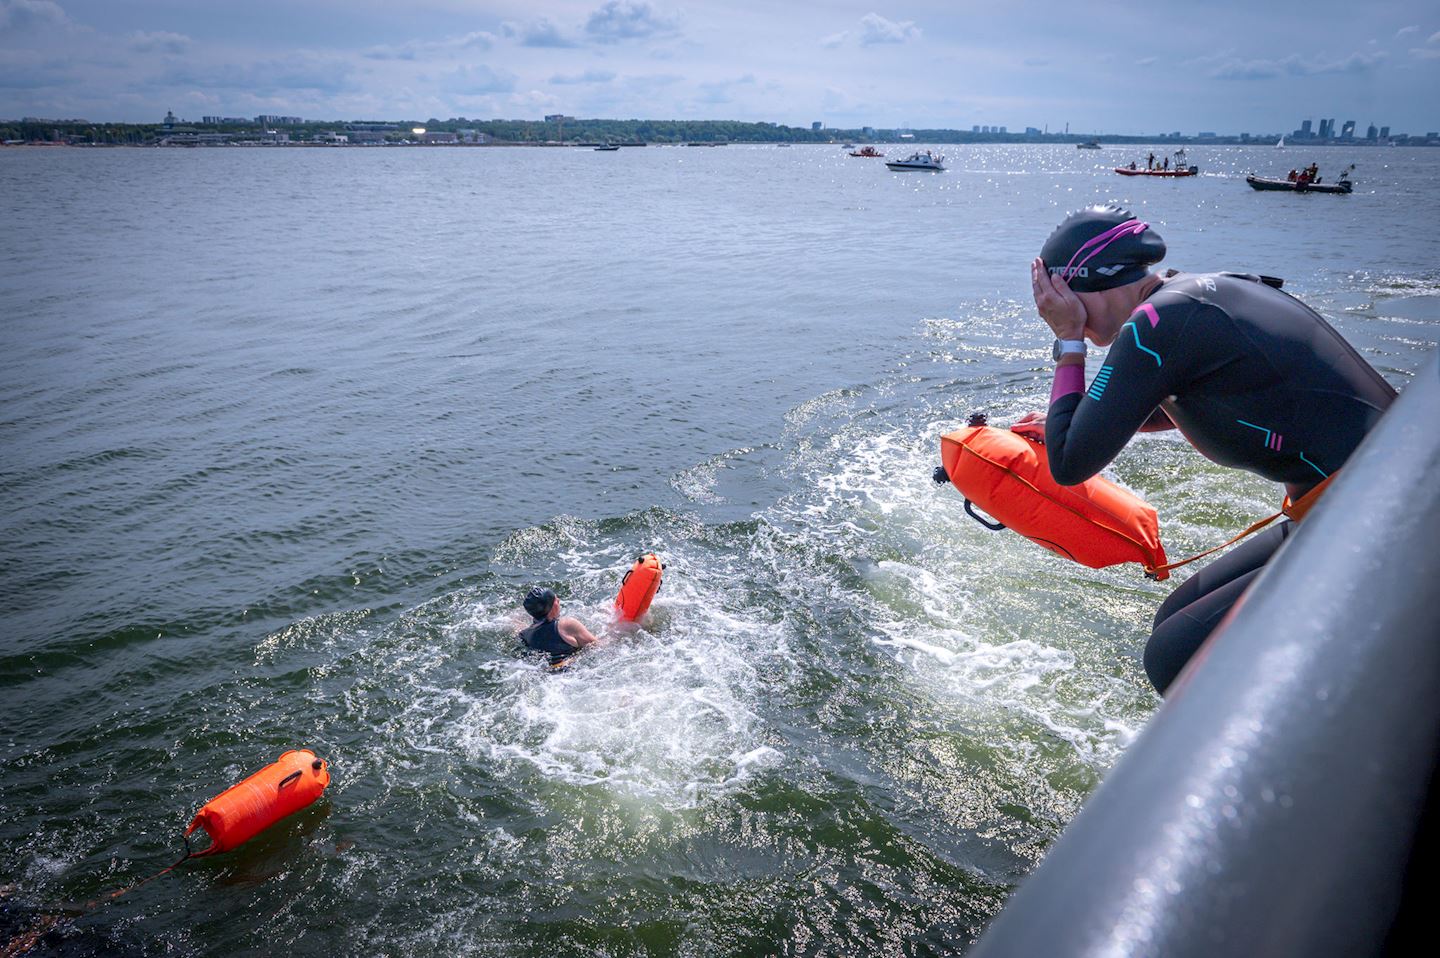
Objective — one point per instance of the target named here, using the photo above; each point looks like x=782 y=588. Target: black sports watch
x=1064 y=346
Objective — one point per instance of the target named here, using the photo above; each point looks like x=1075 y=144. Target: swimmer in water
x=551 y=634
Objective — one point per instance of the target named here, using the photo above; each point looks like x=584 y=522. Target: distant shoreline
x=306 y=145
x=559 y=131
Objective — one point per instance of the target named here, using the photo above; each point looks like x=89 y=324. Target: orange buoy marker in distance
x=638 y=588
x=238 y=814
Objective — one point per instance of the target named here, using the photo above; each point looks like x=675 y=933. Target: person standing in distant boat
x=557 y=637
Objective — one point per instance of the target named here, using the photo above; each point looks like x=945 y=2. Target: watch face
x=1055 y=351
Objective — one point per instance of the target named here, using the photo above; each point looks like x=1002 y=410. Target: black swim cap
x=539 y=601
x=1100 y=248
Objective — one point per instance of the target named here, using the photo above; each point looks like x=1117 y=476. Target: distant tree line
x=569 y=130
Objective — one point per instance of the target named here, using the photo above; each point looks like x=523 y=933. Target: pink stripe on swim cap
x=1128 y=228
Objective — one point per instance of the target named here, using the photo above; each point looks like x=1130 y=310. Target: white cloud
x=1294 y=65
x=22 y=15
x=159 y=41
x=417 y=50
x=835 y=39
x=537 y=33
x=876 y=29
x=589 y=76
x=1406 y=31
x=477 y=79
x=629 y=20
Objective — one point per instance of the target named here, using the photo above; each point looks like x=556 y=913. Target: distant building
x=1384 y=133
x=366 y=136
x=1304 y=132
x=170 y=118
x=1372 y=132
x=817 y=125
x=1004 y=129
x=1347 y=132
x=267 y=119
x=868 y=130
x=1205 y=135
x=559 y=118
x=471 y=136
x=439 y=137
x=1032 y=131
x=975 y=129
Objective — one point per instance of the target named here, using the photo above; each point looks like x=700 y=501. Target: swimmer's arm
x=1086 y=429
x=572 y=631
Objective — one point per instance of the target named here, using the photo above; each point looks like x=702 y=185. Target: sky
x=1100 y=66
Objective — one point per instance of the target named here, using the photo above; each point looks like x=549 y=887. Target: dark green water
x=286 y=434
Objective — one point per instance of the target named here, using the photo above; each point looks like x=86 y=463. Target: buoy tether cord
x=1294 y=511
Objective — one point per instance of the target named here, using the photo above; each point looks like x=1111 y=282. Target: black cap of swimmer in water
x=1100 y=248
x=539 y=601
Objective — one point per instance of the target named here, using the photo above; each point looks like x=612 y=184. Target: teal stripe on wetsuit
x=1225 y=356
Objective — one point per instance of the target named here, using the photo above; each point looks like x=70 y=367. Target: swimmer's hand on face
x=1057 y=303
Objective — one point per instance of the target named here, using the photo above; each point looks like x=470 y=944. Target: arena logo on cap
x=1068 y=271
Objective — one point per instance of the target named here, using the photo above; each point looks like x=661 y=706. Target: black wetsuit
x=544 y=636
x=1254 y=379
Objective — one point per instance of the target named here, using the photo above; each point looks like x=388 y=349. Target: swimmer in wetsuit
x=1251 y=376
x=557 y=637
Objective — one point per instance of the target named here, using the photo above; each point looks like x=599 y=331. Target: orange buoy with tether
x=1006 y=474
x=238 y=814
x=638 y=588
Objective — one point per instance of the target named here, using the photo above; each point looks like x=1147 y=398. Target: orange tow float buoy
x=638 y=588
x=1006 y=474
x=238 y=814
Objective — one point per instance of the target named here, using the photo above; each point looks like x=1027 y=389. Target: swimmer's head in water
x=539 y=601
x=1102 y=247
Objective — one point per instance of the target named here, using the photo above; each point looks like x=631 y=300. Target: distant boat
x=1266 y=183
x=1178 y=171
x=1281 y=144
x=919 y=160
x=1088 y=145
x=867 y=151
x=782 y=144
x=606 y=148
x=1179 y=168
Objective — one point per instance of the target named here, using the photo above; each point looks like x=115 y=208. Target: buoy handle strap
x=970 y=510
x=288 y=779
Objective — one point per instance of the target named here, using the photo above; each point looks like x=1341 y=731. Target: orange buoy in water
x=1006 y=474
x=238 y=814
x=637 y=589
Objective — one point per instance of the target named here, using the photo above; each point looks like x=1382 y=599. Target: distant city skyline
x=1099 y=68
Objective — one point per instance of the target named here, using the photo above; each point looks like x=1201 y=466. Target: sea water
x=287 y=433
